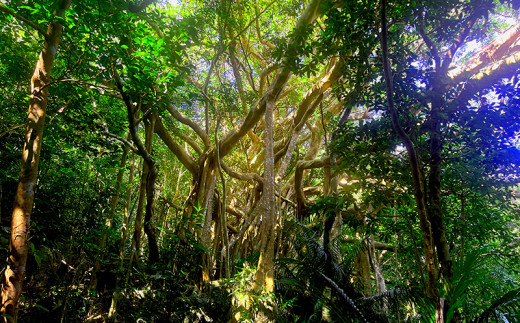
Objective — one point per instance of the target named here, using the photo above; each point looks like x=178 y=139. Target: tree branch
x=126 y=142
x=431 y=46
x=11 y=130
x=190 y=123
x=274 y=91
x=504 y=68
x=298 y=178
x=241 y=176
x=141 y=150
x=189 y=140
x=175 y=148
x=31 y=24
x=492 y=52
x=459 y=41
x=378 y=245
x=108 y=133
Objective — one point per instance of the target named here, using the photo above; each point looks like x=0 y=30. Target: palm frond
x=505 y=309
x=348 y=300
x=468 y=271
x=402 y=304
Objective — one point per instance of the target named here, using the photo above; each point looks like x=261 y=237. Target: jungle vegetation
x=260 y=161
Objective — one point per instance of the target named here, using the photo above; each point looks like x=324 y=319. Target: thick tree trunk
x=23 y=204
x=264 y=275
x=206 y=195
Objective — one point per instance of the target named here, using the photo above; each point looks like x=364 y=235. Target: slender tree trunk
x=223 y=222
x=374 y=262
x=128 y=212
x=434 y=186
x=333 y=181
x=146 y=191
x=23 y=204
x=328 y=222
x=363 y=258
x=418 y=182
x=119 y=180
x=138 y=226
x=149 y=229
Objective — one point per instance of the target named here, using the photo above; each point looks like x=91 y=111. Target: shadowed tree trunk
x=23 y=204
x=138 y=226
x=149 y=229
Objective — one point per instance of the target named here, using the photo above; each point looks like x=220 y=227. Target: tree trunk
x=328 y=222
x=23 y=204
x=376 y=267
x=264 y=275
x=149 y=229
x=363 y=258
x=434 y=186
x=206 y=193
x=223 y=222
x=138 y=225
x=417 y=177
x=119 y=180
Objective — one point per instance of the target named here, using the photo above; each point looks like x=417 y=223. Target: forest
x=260 y=161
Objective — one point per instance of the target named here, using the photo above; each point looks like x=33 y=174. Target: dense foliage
x=394 y=196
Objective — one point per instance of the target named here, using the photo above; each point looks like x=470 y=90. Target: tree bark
x=138 y=225
x=23 y=204
x=149 y=229
x=208 y=195
x=376 y=266
x=301 y=208
x=434 y=186
x=223 y=222
x=264 y=275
